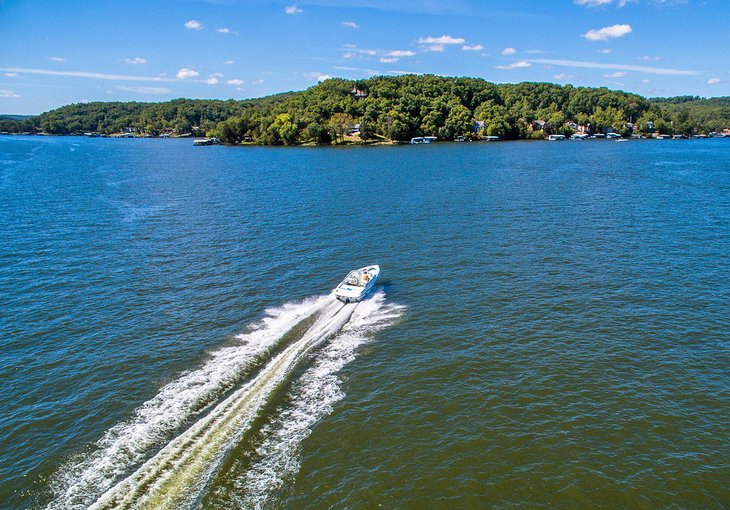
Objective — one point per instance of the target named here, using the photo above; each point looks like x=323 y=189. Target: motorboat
x=206 y=141
x=357 y=284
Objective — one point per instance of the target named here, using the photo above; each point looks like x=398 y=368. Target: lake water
x=551 y=327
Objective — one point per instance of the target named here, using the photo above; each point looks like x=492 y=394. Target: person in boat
x=365 y=277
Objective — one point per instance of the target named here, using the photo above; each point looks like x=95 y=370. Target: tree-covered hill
x=713 y=113
x=398 y=108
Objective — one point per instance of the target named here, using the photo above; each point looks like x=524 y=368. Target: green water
x=550 y=328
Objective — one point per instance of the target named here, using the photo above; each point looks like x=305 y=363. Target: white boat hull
x=357 y=284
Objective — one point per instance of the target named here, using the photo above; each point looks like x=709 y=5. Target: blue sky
x=59 y=52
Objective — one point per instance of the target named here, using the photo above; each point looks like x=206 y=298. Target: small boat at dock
x=206 y=141
x=357 y=284
x=423 y=139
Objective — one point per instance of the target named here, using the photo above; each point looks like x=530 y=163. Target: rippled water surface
x=551 y=327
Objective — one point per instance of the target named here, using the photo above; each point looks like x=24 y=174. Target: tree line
x=394 y=109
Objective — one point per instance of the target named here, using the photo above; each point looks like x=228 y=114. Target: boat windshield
x=354 y=279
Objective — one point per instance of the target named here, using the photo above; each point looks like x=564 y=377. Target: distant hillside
x=394 y=109
x=4 y=116
x=713 y=113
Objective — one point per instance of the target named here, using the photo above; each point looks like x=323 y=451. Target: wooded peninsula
x=392 y=109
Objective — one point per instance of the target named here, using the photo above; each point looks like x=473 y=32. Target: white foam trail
x=177 y=474
x=311 y=398
x=83 y=480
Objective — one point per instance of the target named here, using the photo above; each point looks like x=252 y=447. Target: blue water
x=551 y=327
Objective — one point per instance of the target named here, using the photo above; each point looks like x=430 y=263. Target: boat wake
x=142 y=464
x=260 y=483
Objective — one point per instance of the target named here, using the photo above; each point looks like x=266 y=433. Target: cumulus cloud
x=472 y=47
x=135 y=60
x=185 y=73
x=509 y=51
x=56 y=59
x=350 y=24
x=516 y=65
x=435 y=47
x=225 y=30
x=317 y=76
x=617 y=74
x=605 y=33
x=145 y=90
x=235 y=82
x=713 y=81
x=193 y=24
x=293 y=9
x=444 y=39
x=213 y=78
x=8 y=93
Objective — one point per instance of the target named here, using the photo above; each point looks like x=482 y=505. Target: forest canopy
x=393 y=109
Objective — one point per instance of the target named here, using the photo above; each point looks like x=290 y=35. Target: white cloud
x=435 y=47
x=317 y=76
x=606 y=51
x=185 y=73
x=135 y=60
x=371 y=72
x=596 y=3
x=509 y=51
x=257 y=82
x=84 y=74
x=56 y=59
x=213 y=78
x=516 y=65
x=399 y=53
x=12 y=75
x=350 y=24
x=229 y=62
x=645 y=81
x=619 y=67
x=713 y=81
x=444 y=39
x=293 y=9
x=472 y=47
x=605 y=33
x=617 y=74
x=235 y=82
x=145 y=90
x=8 y=93
x=389 y=60
x=563 y=76
x=225 y=30
x=193 y=24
